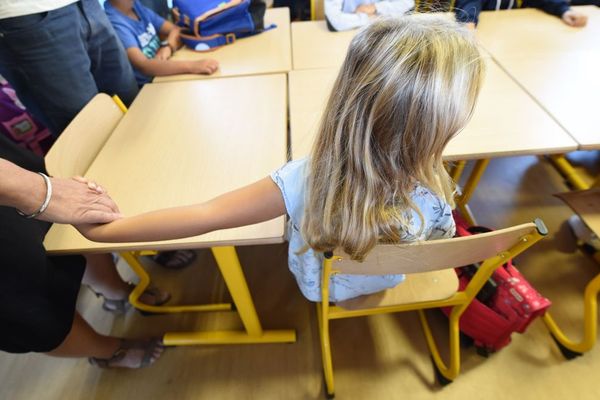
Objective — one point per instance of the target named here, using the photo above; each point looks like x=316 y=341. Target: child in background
x=139 y=29
x=343 y=15
x=375 y=173
x=467 y=11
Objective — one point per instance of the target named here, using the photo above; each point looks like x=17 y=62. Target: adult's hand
x=73 y=201
x=79 y=201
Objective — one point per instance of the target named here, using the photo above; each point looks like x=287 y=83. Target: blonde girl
x=375 y=174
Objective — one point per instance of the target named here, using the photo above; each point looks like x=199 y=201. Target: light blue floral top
x=306 y=267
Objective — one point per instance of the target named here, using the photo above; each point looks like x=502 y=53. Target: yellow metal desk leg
x=569 y=348
x=230 y=268
x=463 y=200
x=566 y=169
x=233 y=275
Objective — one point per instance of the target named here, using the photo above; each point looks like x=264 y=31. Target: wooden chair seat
x=417 y=288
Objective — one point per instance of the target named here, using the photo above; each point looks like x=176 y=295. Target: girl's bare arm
x=258 y=202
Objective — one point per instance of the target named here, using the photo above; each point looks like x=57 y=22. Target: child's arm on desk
x=560 y=8
x=158 y=67
x=258 y=202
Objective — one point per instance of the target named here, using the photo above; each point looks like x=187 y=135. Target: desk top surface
x=556 y=64
x=265 y=53
x=186 y=142
x=314 y=46
x=568 y=86
x=506 y=120
x=529 y=31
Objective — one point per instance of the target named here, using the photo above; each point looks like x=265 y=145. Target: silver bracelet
x=46 y=200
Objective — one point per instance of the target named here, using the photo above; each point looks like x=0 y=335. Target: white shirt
x=16 y=8
x=342 y=20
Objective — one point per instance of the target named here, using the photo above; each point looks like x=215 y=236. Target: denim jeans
x=58 y=60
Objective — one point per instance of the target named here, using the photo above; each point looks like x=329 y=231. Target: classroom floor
x=380 y=357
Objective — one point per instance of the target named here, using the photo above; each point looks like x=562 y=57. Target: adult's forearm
x=20 y=188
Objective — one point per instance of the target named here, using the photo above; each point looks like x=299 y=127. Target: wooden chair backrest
x=81 y=141
x=434 y=254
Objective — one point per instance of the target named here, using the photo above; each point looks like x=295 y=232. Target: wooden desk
x=183 y=143
x=530 y=31
x=506 y=120
x=266 y=53
x=568 y=86
x=314 y=46
x=558 y=65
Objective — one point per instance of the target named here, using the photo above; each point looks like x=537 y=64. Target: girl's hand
x=574 y=18
x=368 y=9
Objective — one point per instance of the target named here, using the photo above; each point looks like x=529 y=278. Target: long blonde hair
x=406 y=87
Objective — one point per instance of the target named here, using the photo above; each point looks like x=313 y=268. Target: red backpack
x=507 y=303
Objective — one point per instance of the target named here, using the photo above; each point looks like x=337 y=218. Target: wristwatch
x=165 y=43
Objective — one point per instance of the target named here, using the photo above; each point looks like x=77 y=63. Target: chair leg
x=444 y=374
x=131 y=257
x=569 y=348
x=325 y=352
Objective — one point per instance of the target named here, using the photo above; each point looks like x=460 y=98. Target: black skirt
x=37 y=293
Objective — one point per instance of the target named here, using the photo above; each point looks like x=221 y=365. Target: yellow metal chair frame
x=523 y=237
x=569 y=348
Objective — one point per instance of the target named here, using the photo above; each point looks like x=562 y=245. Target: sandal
x=120 y=306
x=149 y=346
x=175 y=259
